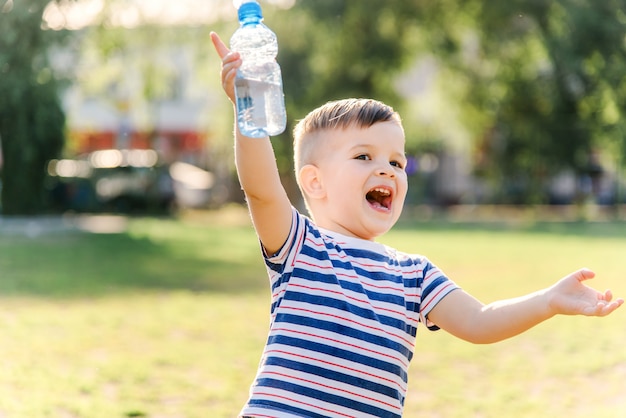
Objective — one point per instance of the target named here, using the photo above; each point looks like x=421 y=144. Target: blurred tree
x=31 y=118
x=548 y=78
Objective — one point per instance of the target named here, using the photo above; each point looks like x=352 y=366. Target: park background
x=514 y=122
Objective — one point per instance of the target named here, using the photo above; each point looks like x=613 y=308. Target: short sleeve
x=281 y=262
x=435 y=286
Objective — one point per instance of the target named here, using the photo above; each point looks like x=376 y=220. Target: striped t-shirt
x=344 y=317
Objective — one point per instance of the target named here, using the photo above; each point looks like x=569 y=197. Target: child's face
x=363 y=177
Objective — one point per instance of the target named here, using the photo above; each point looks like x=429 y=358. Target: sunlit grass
x=566 y=367
x=169 y=320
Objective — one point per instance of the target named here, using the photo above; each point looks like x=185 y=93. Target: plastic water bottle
x=259 y=94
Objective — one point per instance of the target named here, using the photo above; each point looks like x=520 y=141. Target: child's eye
x=396 y=164
x=364 y=157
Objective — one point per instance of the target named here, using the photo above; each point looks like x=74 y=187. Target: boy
x=345 y=309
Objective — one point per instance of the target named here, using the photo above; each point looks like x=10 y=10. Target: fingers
x=584 y=274
x=603 y=307
x=608 y=297
x=231 y=61
x=229 y=58
x=605 y=303
x=221 y=49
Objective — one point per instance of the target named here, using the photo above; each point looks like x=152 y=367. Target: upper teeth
x=382 y=191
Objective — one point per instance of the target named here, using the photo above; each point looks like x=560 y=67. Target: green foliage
x=31 y=118
x=553 y=68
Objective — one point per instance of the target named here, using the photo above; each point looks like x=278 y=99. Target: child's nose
x=386 y=171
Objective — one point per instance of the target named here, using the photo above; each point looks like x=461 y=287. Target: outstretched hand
x=570 y=296
x=231 y=61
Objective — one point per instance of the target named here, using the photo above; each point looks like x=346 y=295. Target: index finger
x=220 y=47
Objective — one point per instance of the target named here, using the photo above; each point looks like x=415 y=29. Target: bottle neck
x=250 y=14
x=249 y=22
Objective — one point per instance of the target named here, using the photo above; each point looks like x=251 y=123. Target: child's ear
x=311 y=183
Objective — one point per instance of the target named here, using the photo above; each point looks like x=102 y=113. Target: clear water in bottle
x=260 y=103
x=258 y=85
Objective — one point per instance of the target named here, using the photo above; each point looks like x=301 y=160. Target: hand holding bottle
x=231 y=61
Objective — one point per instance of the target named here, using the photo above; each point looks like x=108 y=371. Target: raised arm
x=465 y=317
x=267 y=200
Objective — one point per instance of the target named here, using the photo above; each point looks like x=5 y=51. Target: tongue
x=377 y=201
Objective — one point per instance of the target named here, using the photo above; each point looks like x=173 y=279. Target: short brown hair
x=339 y=114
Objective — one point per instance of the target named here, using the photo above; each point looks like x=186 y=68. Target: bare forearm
x=267 y=199
x=256 y=168
x=507 y=318
x=465 y=317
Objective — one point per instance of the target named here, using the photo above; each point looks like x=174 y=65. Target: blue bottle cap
x=250 y=12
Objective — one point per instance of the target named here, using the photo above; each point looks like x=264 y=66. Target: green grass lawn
x=169 y=320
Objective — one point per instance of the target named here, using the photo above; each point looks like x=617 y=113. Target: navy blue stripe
x=366 y=256
x=395 y=277
x=327 y=397
x=273 y=406
x=278 y=268
x=413 y=306
x=369 y=255
x=407 y=282
x=380 y=276
x=331 y=278
x=432 y=286
x=356 y=253
x=409 y=261
x=345 y=306
x=333 y=327
x=313 y=252
x=322 y=256
x=347 y=379
x=283 y=278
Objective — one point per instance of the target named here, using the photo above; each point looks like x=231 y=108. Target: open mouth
x=379 y=198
